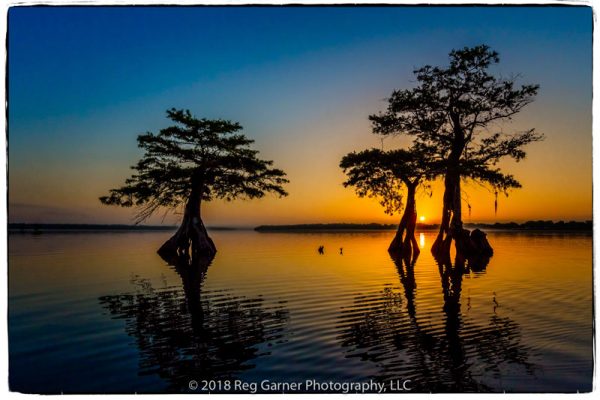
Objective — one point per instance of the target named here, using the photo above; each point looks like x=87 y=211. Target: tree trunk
x=471 y=246
x=451 y=214
x=451 y=225
x=411 y=247
x=190 y=244
x=404 y=242
x=396 y=245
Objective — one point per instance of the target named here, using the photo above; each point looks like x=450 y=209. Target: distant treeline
x=38 y=228
x=333 y=227
x=529 y=225
x=537 y=226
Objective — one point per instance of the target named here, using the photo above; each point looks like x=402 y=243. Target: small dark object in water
x=321 y=249
x=341 y=250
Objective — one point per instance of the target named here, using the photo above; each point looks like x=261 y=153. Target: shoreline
x=529 y=226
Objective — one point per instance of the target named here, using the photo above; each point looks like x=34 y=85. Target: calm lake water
x=101 y=312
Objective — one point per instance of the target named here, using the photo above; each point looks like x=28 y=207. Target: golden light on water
x=422 y=238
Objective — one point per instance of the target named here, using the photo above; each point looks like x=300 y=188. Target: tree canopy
x=454 y=109
x=208 y=155
x=384 y=174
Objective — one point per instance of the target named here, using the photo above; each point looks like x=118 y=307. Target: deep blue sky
x=59 y=55
x=84 y=81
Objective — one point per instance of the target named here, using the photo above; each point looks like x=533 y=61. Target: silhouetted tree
x=383 y=175
x=452 y=109
x=192 y=161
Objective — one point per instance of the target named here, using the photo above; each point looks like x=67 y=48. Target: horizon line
x=66 y=225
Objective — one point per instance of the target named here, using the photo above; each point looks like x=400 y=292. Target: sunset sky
x=84 y=82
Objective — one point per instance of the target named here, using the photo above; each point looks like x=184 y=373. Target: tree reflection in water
x=452 y=355
x=195 y=335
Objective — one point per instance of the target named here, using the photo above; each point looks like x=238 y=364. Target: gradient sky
x=84 y=82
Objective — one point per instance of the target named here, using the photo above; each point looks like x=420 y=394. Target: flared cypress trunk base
x=404 y=245
x=190 y=245
x=396 y=246
x=470 y=246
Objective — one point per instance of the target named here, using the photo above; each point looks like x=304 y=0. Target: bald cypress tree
x=455 y=110
x=393 y=178
x=186 y=164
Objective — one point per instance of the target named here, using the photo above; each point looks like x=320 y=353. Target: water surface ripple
x=102 y=313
